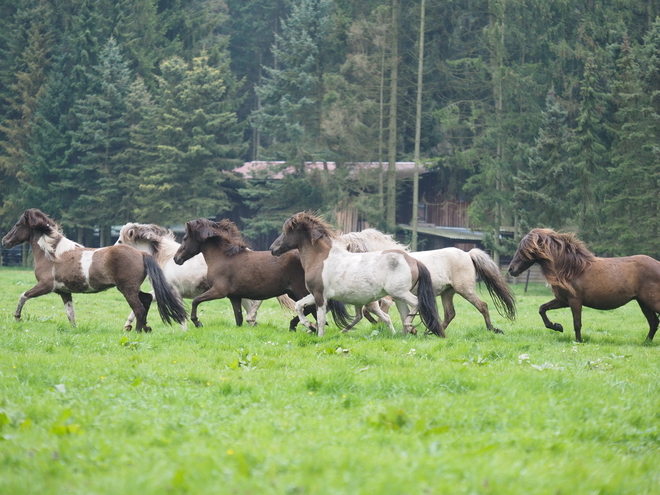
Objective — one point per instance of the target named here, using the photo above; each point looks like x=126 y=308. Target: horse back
x=611 y=282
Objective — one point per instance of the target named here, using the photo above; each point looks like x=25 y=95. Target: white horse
x=332 y=272
x=188 y=281
x=452 y=270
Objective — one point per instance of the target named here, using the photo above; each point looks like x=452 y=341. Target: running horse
x=579 y=278
x=453 y=271
x=65 y=267
x=188 y=281
x=236 y=272
x=332 y=272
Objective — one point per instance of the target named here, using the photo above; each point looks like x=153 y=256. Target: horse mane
x=225 y=231
x=52 y=242
x=562 y=256
x=151 y=233
x=314 y=225
x=370 y=240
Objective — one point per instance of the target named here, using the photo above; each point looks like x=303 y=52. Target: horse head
x=562 y=256
x=299 y=229
x=32 y=220
x=144 y=237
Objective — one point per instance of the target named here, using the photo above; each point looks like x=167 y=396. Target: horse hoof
x=198 y=323
x=413 y=331
x=128 y=328
x=147 y=329
x=558 y=328
x=497 y=330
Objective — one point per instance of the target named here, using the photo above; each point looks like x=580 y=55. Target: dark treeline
x=540 y=112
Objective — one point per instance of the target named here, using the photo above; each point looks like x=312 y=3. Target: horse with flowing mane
x=187 y=281
x=65 y=267
x=452 y=271
x=237 y=272
x=332 y=272
x=579 y=278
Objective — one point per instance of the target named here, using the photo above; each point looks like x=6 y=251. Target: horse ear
x=130 y=233
x=36 y=220
x=315 y=234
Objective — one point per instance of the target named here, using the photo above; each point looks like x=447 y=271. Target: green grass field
x=221 y=409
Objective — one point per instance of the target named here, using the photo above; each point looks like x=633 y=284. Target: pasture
x=221 y=409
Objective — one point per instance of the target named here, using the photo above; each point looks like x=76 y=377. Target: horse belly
x=71 y=274
x=353 y=282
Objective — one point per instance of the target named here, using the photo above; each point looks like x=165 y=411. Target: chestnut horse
x=236 y=272
x=188 y=281
x=332 y=272
x=578 y=278
x=65 y=267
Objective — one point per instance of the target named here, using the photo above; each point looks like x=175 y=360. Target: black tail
x=339 y=313
x=499 y=290
x=427 y=303
x=170 y=306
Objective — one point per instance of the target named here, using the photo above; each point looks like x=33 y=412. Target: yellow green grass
x=221 y=409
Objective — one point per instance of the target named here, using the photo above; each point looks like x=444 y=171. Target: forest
x=538 y=112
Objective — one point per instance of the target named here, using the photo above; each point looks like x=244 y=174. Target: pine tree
x=541 y=184
x=633 y=190
x=292 y=93
x=98 y=144
x=198 y=142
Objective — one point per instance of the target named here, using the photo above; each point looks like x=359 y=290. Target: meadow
x=259 y=410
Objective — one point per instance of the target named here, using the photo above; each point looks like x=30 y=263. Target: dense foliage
x=539 y=112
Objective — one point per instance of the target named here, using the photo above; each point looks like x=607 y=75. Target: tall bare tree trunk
x=394 y=81
x=418 y=127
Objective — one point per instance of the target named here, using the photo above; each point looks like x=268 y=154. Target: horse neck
x=165 y=250
x=315 y=253
x=50 y=248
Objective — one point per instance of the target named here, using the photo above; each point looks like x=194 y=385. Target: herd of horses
x=312 y=269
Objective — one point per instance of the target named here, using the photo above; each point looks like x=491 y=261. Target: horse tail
x=340 y=314
x=487 y=270
x=427 y=303
x=286 y=302
x=170 y=306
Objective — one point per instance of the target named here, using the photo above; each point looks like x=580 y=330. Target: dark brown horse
x=236 y=272
x=578 y=278
x=65 y=267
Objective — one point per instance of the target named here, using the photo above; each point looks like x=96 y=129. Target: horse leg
x=67 y=299
x=576 y=309
x=321 y=311
x=482 y=307
x=300 y=311
x=131 y=318
x=251 y=307
x=550 y=305
x=145 y=299
x=209 y=295
x=447 y=298
x=406 y=314
x=366 y=311
x=296 y=319
x=238 y=313
x=358 y=317
x=382 y=314
x=38 y=290
x=651 y=317
x=136 y=300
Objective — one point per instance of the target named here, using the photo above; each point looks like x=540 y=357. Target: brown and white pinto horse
x=578 y=278
x=236 y=272
x=65 y=267
x=332 y=272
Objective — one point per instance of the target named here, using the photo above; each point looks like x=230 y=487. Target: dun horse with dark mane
x=65 y=267
x=578 y=278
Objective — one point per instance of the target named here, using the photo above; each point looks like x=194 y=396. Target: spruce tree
x=198 y=142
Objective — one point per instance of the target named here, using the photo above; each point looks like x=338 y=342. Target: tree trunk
x=391 y=168
x=418 y=127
